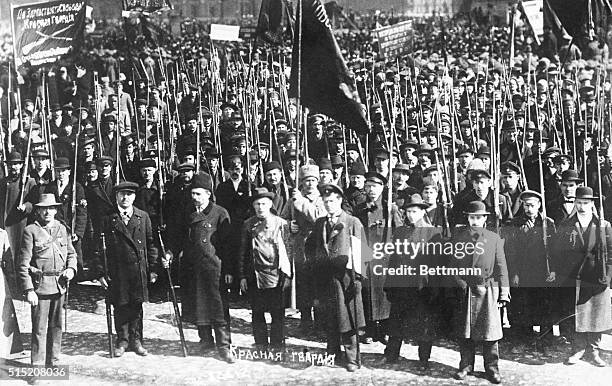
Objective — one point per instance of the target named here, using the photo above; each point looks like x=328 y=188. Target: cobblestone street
x=84 y=350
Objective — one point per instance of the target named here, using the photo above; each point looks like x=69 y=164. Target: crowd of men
x=200 y=147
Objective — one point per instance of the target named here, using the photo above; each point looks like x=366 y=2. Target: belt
x=52 y=273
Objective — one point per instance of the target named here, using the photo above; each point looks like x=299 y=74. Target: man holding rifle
x=13 y=213
x=132 y=264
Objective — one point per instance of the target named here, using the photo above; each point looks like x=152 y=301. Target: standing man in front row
x=132 y=263
x=203 y=238
x=584 y=266
x=46 y=263
x=481 y=294
x=265 y=269
x=336 y=289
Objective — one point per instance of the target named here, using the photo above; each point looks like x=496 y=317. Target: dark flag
x=44 y=32
x=271 y=23
x=327 y=85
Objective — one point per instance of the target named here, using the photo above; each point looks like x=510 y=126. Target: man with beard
x=528 y=266
x=355 y=193
x=205 y=243
x=274 y=184
x=479 y=294
x=317 y=141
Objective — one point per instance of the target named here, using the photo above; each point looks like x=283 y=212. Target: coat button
x=139 y=241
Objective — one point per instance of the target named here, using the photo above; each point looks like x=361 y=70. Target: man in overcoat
x=479 y=293
x=132 y=264
x=583 y=265
x=415 y=303
x=337 y=290
x=529 y=268
x=13 y=215
x=204 y=267
x=373 y=215
x=305 y=207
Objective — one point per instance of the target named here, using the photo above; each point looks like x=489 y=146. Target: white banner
x=224 y=32
x=534 y=10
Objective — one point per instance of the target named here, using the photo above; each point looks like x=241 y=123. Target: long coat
x=374 y=221
x=13 y=220
x=478 y=315
x=415 y=300
x=49 y=251
x=205 y=258
x=132 y=255
x=100 y=201
x=340 y=298
x=10 y=338
x=576 y=257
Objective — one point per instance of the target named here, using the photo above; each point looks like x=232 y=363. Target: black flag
x=271 y=23
x=327 y=85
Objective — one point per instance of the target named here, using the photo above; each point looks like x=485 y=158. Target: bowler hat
x=402 y=168
x=357 y=169
x=585 y=193
x=570 y=175
x=14 y=157
x=476 y=207
x=415 y=200
x=325 y=163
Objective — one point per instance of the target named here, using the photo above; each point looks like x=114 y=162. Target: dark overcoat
x=339 y=296
x=478 y=316
x=204 y=260
x=132 y=255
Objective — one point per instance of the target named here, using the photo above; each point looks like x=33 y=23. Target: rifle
x=26 y=167
x=109 y=320
x=177 y=311
x=544 y=225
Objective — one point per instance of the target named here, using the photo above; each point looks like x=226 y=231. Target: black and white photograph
x=306 y=192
